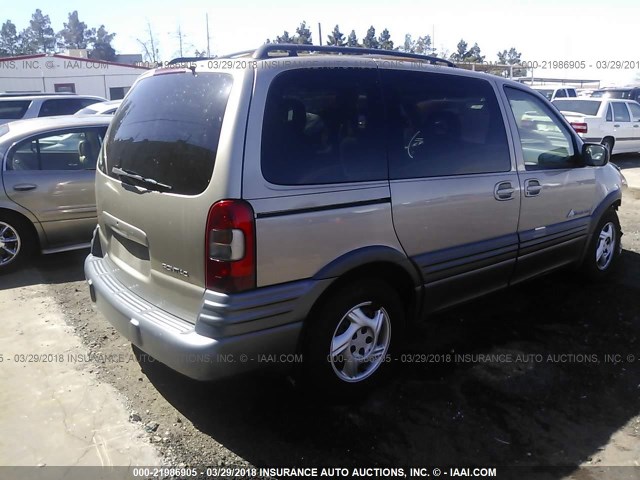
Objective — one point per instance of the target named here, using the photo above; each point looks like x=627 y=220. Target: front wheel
x=351 y=336
x=604 y=248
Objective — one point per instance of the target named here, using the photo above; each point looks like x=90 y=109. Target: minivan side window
x=442 y=125
x=13 y=109
x=324 y=126
x=620 y=112
x=546 y=143
x=66 y=150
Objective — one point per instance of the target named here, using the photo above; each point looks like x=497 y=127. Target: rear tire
x=351 y=337
x=604 y=248
x=16 y=242
x=608 y=142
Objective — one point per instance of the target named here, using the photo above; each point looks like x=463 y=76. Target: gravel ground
x=560 y=401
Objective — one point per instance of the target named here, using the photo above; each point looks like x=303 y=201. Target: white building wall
x=41 y=74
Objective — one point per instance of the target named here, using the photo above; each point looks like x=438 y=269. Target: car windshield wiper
x=145 y=181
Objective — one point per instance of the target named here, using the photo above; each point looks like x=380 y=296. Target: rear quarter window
x=168 y=129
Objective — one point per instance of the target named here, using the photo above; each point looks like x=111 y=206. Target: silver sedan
x=47 y=199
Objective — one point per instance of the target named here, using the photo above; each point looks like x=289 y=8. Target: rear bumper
x=195 y=350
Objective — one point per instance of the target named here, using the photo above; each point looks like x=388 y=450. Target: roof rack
x=293 y=49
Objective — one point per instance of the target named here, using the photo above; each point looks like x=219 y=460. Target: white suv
x=32 y=106
x=553 y=93
x=612 y=122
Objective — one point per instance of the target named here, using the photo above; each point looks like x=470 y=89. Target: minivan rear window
x=13 y=109
x=167 y=129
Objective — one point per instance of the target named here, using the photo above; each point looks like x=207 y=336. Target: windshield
x=168 y=129
x=585 y=107
x=546 y=92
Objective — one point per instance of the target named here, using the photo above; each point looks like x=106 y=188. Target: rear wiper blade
x=139 y=178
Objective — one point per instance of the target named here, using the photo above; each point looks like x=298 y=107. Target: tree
x=385 y=40
x=74 y=34
x=370 y=40
x=284 y=38
x=352 y=40
x=423 y=45
x=303 y=35
x=150 y=46
x=473 y=55
x=336 y=38
x=100 y=41
x=9 y=39
x=408 y=45
x=510 y=57
x=38 y=37
x=461 y=51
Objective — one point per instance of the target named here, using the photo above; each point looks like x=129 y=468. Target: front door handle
x=23 y=187
x=503 y=191
x=616 y=125
x=532 y=187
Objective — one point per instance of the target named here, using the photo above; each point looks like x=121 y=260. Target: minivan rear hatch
x=154 y=186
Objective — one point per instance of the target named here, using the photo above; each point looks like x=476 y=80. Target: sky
x=542 y=30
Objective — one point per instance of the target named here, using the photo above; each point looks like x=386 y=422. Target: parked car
x=32 y=106
x=614 y=123
x=248 y=214
x=47 y=200
x=100 y=108
x=625 y=93
x=552 y=93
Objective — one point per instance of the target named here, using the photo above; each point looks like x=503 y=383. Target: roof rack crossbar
x=293 y=49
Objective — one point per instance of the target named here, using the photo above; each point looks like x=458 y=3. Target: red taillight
x=230 y=256
x=579 y=127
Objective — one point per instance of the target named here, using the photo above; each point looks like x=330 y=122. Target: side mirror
x=595 y=155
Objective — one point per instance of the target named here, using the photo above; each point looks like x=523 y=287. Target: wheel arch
x=382 y=262
x=612 y=201
x=34 y=226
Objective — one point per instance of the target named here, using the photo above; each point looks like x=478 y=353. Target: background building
x=67 y=73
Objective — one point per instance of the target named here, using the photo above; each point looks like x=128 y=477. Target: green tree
x=38 y=37
x=9 y=40
x=409 y=45
x=510 y=57
x=100 y=41
x=473 y=55
x=385 y=40
x=303 y=35
x=352 y=40
x=75 y=33
x=461 y=52
x=336 y=38
x=370 y=40
x=423 y=45
x=284 y=38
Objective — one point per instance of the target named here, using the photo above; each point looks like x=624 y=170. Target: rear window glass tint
x=13 y=109
x=324 y=126
x=584 y=107
x=168 y=129
x=443 y=125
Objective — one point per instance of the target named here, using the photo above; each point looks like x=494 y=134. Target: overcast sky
x=541 y=30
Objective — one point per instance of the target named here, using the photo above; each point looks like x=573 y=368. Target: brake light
x=579 y=127
x=230 y=257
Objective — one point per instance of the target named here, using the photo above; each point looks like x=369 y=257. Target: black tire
x=608 y=142
x=15 y=227
x=596 y=265
x=320 y=372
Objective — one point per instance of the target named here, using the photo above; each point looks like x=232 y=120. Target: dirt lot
x=563 y=402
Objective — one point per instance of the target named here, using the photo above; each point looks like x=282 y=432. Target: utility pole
x=208 y=46
x=320 y=33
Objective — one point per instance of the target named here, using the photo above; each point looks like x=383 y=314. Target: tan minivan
x=302 y=203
